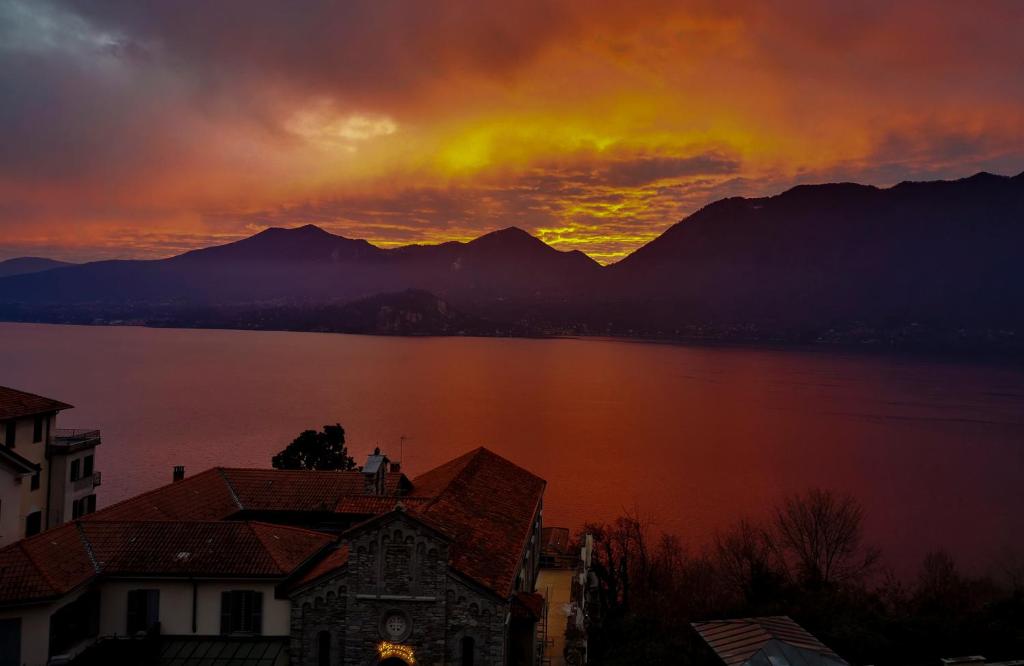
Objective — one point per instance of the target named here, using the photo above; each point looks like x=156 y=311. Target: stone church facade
x=397 y=590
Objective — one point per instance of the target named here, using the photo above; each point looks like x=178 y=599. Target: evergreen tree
x=324 y=450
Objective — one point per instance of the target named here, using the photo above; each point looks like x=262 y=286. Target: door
x=10 y=642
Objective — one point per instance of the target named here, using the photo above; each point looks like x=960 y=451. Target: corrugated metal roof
x=765 y=641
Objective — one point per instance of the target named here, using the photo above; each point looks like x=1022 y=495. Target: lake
x=693 y=437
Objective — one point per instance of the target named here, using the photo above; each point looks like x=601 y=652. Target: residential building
x=299 y=567
x=47 y=475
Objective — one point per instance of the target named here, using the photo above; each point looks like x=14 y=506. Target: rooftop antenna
x=401 y=448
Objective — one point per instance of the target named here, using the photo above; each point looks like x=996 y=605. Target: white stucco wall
x=10 y=507
x=175 y=612
x=35 y=629
x=176 y=606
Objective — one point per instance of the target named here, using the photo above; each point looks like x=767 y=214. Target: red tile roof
x=484 y=502
x=221 y=492
x=59 y=560
x=487 y=504
x=740 y=641
x=47 y=565
x=18 y=464
x=16 y=404
x=205 y=496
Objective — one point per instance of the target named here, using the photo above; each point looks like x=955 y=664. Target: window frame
x=241 y=613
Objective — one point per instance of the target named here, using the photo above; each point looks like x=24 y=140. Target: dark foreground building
x=270 y=567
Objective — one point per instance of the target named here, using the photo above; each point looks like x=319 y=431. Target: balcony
x=69 y=440
x=87 y=482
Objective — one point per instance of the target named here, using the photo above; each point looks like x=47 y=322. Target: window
x=37 y=429
x=75 y=622
x=87 y=464
x=35 y=481
x=468 y=650
x=33 y=523
x=241 y=612
x=82 y=506
x=76 y=470
x=323 y=648
x=143 y=611
x=10 y=431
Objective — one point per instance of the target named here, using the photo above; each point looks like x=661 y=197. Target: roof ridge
x=276 y=526
x=231 y=488
x=88 y=546
x=40 y=570
x=266 y=549
x=473 y=457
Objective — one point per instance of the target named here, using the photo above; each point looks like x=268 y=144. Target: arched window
x=468 y=650
x=323 y=648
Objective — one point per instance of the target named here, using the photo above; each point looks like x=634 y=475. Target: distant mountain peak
x=24 y=265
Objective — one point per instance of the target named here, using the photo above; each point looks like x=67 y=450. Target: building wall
x=31 y=500
x=11 y=523
x=397 y=566
x=176 y=606
x=35 y=629
x=64 y=493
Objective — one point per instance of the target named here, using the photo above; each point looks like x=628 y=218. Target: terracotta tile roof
x=46 y=565
x=205 y=496
x=18 y=464
x=299 y=490
x=58 y=560
x=334 y=560
x=16 y=404
x=528 y=605
x=483 y=501
x=487 y=504
x=220 y=493
x=774 y=640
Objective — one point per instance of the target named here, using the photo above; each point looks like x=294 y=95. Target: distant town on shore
x=929 y=266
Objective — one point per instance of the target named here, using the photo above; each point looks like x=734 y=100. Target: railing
x=76 y=434
x=86 y=482
x=70 y=437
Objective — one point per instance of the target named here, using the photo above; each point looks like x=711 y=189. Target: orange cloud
x=141 y=130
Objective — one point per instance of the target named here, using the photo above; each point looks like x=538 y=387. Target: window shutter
x=225 y=612
x=152 y=609
x=257 y=613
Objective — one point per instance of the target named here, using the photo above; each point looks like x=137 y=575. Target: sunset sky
x=137 y=129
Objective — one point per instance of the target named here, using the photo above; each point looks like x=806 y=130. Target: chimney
x=395 y=468
x=373 y=472
x=178 y=474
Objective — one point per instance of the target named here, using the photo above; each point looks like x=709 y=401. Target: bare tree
x=620 y=555
x=748 y=561
x=821 y=534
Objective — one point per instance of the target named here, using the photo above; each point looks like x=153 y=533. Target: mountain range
x=932 y=260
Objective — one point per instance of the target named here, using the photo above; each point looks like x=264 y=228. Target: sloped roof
x=483 y=501
x=16 y=463
x=17 y=404
x=765 y=641
x=487 y=505
x=221 y=492
x=59 y=560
